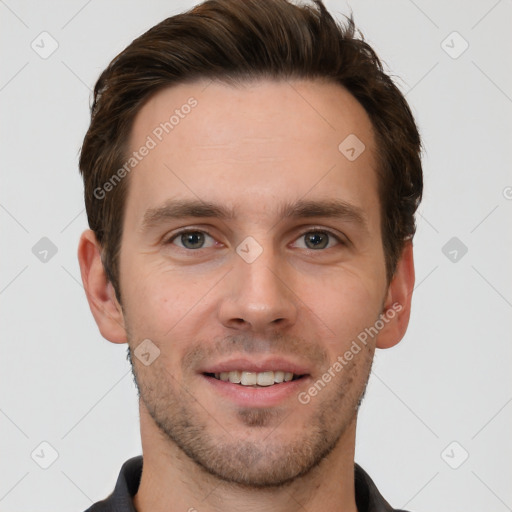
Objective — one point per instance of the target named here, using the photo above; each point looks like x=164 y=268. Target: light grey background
x=447 y=381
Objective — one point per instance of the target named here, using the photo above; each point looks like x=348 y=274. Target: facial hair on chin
x=260 y=464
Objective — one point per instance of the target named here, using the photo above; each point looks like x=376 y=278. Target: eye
x=317 y=239
x=192 y=240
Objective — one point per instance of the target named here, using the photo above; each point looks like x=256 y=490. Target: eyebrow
x=187 y=208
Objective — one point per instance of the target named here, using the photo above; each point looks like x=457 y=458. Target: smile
x=255 y=379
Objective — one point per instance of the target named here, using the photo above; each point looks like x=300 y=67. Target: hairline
x=239 y=80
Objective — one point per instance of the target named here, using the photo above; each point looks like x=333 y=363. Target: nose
x=258 y=296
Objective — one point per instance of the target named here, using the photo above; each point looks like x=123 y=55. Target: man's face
x=283 y=283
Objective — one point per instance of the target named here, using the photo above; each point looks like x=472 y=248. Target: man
x=251 y=178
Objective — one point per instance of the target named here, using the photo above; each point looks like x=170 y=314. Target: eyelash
x=174 y=236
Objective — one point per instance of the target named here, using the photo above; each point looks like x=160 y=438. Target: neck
x=172 y=482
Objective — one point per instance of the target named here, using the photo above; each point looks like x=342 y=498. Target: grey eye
x=193 y=240
x=316 y=239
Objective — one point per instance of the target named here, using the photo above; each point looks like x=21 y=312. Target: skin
x=253 y=148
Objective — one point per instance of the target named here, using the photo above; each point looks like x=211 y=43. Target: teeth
x=267 y=378
x=235 y=377
x=249 y=378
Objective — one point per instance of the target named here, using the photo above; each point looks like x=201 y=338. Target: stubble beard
x=266 y=462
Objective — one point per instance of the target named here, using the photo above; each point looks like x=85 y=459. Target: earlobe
x=397 y=306
x=100 y=293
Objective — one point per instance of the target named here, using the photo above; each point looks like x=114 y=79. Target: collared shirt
x=368 y=498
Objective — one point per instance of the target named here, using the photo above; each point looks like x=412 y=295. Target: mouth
x=252 y=379
x=256 y=382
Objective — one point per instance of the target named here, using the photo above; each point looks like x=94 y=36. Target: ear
x=99 y=291
x=397 y=306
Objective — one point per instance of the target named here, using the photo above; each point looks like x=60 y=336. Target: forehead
x=252 y=146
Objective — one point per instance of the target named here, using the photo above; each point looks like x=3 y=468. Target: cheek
x=162 y=304
x=345 y=305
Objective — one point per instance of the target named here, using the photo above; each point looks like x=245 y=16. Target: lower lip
x=267 y=396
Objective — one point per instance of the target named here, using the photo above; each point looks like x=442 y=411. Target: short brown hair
x=237 y=40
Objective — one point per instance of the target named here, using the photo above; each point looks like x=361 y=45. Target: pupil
x=192 y=240
x=317 y=240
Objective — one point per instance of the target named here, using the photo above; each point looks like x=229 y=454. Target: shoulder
x=368 y=497
x=120 y=500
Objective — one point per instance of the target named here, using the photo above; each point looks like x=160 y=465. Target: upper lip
x=251 y=365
